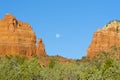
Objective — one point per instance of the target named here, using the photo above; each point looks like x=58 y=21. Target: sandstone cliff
x=104 y=38
x=18 y=38
x=40 y=49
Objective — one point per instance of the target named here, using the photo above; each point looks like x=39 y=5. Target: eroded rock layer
x=104 y=38
x=16 y=37
x=40 y=50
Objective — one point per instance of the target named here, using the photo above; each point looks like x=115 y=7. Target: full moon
x=57 y=35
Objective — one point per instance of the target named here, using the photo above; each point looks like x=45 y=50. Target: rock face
x=104 y=38
x=17 y=38
x=40 y=50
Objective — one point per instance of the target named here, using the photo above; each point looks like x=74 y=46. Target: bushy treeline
x=102 y=67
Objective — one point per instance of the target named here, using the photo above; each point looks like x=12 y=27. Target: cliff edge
x=18 y=38
x=104 y=38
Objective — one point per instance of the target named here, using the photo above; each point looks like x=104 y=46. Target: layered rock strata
x=40 y=49
x=104 y=38
x=17 y=38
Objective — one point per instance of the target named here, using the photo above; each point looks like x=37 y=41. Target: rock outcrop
x=40 y=50
x=105 y=38
x=18 y=38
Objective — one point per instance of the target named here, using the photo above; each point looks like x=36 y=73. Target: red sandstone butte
x=104 y=38
x=18 y=38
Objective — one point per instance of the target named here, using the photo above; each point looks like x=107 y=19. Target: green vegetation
x=105 y=66
x=112 y=21
x=117 y=29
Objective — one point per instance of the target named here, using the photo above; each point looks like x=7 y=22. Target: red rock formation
x=16 y=37
x=40 y=50
x=105 y=38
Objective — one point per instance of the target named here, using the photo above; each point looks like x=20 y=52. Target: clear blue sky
x=74 y=21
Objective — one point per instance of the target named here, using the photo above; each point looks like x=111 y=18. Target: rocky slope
x=18 y=38
x=104 y=38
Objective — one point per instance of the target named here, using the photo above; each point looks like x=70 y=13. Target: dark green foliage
x=111 y=22
x=105 y=66
x=117 y=29
x=18 y=68
x=52 y=63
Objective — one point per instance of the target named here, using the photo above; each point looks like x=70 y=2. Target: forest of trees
x=105 y=66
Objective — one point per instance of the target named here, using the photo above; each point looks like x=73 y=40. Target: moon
x=57 y=35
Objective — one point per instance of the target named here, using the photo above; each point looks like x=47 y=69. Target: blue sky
x=66 y=26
